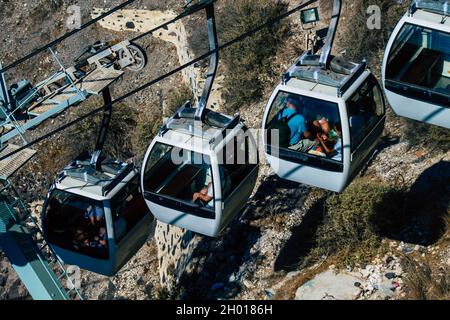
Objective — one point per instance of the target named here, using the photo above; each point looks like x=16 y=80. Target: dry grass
x=432 y=137
x=348 y=231
x=428 y=278
x=424 y=283
x=249 y=62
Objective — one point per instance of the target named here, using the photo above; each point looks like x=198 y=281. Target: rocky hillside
x=385 y=237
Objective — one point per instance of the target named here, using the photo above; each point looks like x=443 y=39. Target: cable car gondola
x=202 y=167
x=94 y=215
x=324 y=120
x=416 y=65
x=96 y=219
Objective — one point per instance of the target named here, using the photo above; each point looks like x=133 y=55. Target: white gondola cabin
x=343 y=106
x=416 y=66
x=201 y=168
x=323 y=122
x=96 y=219
x=199 y=174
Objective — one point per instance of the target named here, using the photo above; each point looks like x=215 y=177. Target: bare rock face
x=175 y=248
x=11 y=288
x=330 y=286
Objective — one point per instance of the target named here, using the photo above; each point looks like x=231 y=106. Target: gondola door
x=238 y=173
x=131 y=221
x=366 y=117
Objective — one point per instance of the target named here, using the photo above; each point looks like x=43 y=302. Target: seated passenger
x=94 y=214
x=322 y=126
x=331 y=145
x=356 y=120
x=206 y=194
x=101 y=240
x=290 y=115
x=81 y=239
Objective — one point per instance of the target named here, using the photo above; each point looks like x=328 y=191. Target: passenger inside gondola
x=314 y=126
x=331 y=143
x=292 y=125
x=94 y=214
x=73 y=222
x=206 y=195
x=187 y=178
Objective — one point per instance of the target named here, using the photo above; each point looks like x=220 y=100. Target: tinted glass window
x=237 y=159
x=421 y=57
x=314 y=127
x=365 y=108
x=76 y=223
x=128 y=208
x=180 y=174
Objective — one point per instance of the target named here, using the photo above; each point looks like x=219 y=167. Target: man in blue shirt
x=300 y=136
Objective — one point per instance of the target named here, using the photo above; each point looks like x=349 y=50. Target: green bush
x=249 y=62
x=348 y=231
x=356 y=221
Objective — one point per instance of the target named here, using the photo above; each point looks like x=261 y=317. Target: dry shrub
x=422 y=283
x=362 y=42
x=147 y=126
x=347 y=230
x=118 y=142
x=176 y=98
x=249 y=62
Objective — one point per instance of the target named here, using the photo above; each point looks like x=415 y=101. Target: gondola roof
x=204 y=135
x=81 y=178
x=431 y=6
x=332 y=81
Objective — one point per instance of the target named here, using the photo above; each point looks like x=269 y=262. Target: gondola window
x=365 y=109
x=128 y=208
x=420 y=58
x=305 y=126
x=177 y=174
x=77 y=224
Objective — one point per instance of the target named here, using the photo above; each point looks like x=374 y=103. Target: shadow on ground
x=416 y=215
x=220 y=262
x=217 y=260
x=302 y=239
x=422 y=210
